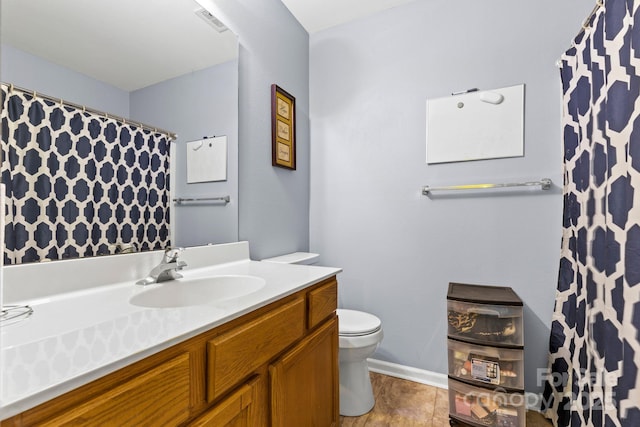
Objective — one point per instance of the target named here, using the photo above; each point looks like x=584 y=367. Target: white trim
x=433 y=379
x=408 y=373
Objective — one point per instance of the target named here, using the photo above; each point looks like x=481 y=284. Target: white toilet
x=359 y=336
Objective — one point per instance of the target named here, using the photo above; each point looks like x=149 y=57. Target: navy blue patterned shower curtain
x=79 y=184
x=595 y=334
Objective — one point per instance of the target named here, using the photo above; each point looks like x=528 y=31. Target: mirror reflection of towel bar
x=544 y=183
x=181 y=200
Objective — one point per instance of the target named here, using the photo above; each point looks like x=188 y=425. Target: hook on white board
x=491 y=97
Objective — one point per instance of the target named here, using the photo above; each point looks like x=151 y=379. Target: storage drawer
x=483 y=407
x=323 y=302
x=501 y=367
x=232 y=356
x=485 y=323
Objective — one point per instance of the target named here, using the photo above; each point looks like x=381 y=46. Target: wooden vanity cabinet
x=277 y=365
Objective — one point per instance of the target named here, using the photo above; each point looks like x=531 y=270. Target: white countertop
x=76 y=337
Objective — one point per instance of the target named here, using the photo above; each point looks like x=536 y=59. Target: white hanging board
x=476 y=125
x=207 y=160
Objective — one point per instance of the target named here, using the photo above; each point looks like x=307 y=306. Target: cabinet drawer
x=136 y=402
x=484 y=407
x=232 y=356
x=485 y=323
x=502 y=367
x=323 y=302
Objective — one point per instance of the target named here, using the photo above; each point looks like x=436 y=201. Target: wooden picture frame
x=283 y=128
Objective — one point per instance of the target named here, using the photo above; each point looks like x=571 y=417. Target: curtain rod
x=585 y=27
x=585 y=23
x=11 y=88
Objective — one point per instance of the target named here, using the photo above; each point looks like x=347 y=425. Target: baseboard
x=534 y=401
x=433 y=379
x=408 y=373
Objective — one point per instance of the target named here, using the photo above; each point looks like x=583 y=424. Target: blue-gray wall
x=399 y=250
x=34 y=73
x=274 y=202
x=198 y=104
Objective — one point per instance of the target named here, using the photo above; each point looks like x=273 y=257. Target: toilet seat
x=353 y=323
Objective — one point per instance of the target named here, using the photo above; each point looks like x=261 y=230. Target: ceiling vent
x=211 y=20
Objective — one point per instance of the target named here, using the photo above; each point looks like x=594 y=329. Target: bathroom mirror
x=169 y=64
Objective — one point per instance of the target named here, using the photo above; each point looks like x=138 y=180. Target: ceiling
x=153 y=41
x=317 y=15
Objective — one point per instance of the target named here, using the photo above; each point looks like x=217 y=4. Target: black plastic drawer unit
x=486 y=356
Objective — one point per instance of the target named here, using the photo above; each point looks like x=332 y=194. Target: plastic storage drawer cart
x=486 y=363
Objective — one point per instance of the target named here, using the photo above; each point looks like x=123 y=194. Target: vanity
x=267 y=356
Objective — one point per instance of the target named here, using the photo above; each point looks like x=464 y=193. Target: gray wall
x=34 y=73
x=399 y=250
x=274 y=202
x=202 y=103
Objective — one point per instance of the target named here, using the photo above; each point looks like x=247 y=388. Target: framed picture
x=283 y=128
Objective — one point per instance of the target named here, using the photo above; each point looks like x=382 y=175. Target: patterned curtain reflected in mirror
x=79 y=184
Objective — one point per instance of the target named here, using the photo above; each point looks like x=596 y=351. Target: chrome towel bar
x=181 y=200
x=544 y=183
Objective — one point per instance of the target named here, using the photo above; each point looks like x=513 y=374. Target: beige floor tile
x=402 y=403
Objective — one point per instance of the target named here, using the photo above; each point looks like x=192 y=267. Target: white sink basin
x=189 y=292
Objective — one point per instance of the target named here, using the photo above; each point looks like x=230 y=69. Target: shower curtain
x=78 y=183
x=595 y=332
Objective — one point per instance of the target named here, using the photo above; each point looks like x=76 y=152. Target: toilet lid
x=354 y=323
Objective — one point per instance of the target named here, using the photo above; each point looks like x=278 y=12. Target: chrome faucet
x=167 y=269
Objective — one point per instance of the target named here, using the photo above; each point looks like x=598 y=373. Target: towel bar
x=181 y=200
x=544 y=183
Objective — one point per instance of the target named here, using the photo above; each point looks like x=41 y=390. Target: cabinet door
x=234 y=411
x=304 y=382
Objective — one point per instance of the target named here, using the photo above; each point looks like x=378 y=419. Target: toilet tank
x=306 y=258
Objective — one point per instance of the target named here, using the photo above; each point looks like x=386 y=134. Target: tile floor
x=402 y=403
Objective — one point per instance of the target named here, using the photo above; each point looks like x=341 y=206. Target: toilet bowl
x=359 y=334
